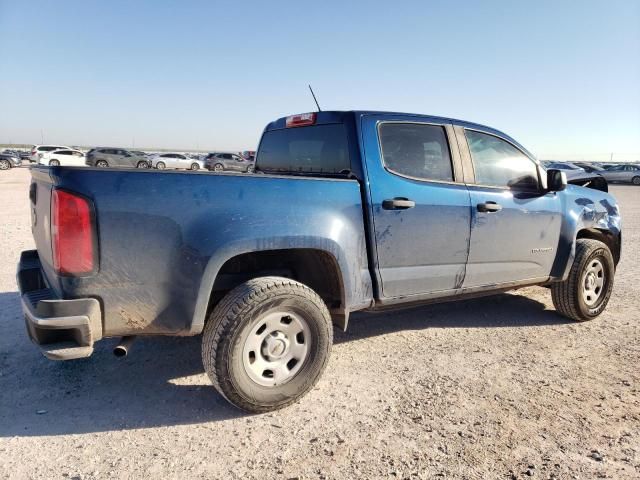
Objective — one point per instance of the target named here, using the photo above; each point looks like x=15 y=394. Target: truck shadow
x=162 y=382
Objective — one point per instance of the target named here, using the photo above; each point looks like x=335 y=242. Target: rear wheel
x=635 y=180
x=267 y=343
x=218 y=167
x=54 y=163
x=142 y=164
x=102 y=164
x=160 y=166
x=5 y=164
x=195 y=166
x=586 y=292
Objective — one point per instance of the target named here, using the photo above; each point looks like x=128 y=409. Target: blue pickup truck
x=346 y=211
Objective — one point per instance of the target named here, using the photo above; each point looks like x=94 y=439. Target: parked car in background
x=8 y=161
x=176 y=160
x=623 y=173
x=65 y=157
x=572 y=171
x=221 y=161
x=38 y=151
x=115 y=157
x=248 y=155
x=588 y=167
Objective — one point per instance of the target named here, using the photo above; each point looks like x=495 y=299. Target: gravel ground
x=500 y=387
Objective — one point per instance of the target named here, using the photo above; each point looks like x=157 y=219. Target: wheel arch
x=612 y=241
x=318 y=268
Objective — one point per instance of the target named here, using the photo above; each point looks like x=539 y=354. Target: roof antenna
x=314 y=98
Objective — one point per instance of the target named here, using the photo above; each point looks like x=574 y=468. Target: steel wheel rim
x=276 y=348
x=593 y=282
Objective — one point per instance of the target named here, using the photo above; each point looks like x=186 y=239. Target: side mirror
x=556 y=180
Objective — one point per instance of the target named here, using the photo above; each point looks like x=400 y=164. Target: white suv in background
x=37 y=151
x=65 y=157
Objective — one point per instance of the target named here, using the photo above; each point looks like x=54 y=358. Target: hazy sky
x=562 y=77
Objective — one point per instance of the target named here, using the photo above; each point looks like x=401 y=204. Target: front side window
x=416 y=150
x=498 y=163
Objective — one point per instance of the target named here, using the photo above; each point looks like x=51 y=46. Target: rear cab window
x=314 y=149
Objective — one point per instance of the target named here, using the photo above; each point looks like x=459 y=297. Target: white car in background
x=176 y=160
x=37 y=151
x=66 y=157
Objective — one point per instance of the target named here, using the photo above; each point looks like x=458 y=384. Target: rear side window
x=314 y=149
x=416 y=150
x=498 y=163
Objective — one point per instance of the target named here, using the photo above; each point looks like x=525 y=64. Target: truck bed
x=164 y=235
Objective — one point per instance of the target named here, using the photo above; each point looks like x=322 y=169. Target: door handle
x=398 y=203
x=489 y=207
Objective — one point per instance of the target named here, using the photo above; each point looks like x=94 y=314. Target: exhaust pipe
x=122 y=349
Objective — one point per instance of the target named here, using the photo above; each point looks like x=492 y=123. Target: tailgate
x=40 y=197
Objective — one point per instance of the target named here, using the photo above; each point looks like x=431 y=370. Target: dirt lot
x=500 y=387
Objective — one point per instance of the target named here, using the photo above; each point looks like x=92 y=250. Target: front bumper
x=63 y=329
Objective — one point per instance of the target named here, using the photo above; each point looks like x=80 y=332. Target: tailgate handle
x=398 y=203
x=33 y=193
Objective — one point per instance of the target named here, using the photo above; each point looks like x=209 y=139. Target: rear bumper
x=63 y=329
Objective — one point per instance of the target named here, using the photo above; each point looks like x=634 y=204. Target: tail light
x=301 y=120
x=73 y=236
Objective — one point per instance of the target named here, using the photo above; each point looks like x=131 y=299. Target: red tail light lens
x=301 y=120
x=72 y=234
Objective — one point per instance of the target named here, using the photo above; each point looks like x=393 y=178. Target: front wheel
x=102 y=164
x=218 y=167
x=160 y=166
x=195 y=166
x=267 y=343
x=54 y=163
x=5 y=164
x=635 y=180
x=586 y=292
x=142 y=164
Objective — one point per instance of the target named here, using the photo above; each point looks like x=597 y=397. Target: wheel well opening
x=317 y=269
x=609 y=239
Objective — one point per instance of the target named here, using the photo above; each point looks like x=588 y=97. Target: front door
x=515 y=226
x=419 y=206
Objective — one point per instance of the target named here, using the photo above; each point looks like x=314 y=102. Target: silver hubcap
x=4 y=165
x=593 y=283
x=217 y=168
x=101 y=164
x=275 y=348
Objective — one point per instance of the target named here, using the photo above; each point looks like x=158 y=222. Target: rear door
x=515 y=227
x=419 y=205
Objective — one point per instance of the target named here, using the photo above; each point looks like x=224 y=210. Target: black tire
x=5 y=164
x=195 y=166
x=142 y=164
x=54 y=163
x=102 y=164
x=567 y=296
x=635 y=180
x=218 y=167
x=161 y=166
x=234 y=319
